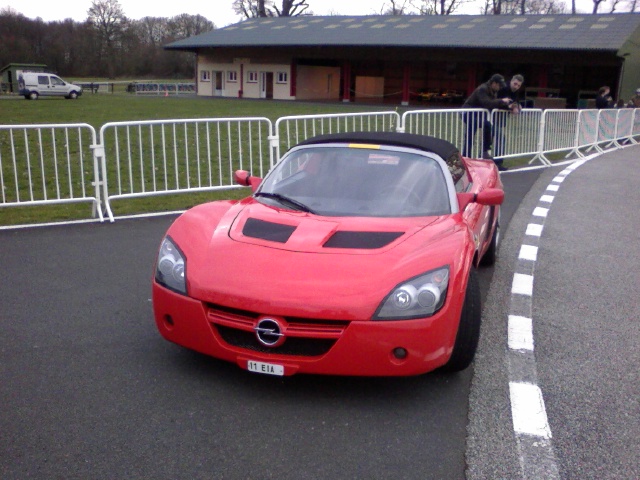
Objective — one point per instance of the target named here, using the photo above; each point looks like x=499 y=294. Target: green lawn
x=98 y=109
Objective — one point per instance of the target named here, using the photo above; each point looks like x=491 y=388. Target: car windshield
x=363 y=182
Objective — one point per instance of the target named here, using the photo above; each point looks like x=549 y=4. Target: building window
x=283 y=77
x=253 y=77
x=205 y=75
x=232 y=76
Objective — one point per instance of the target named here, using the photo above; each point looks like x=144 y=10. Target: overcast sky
x=218 y=11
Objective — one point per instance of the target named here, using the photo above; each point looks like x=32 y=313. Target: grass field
x=98 y=109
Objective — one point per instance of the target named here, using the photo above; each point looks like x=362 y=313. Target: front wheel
x=73 y=95
x=468 y=334
x=491 y=255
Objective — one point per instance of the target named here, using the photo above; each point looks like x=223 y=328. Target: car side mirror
x=491 y=197
x=244 y=178
x=488 y=196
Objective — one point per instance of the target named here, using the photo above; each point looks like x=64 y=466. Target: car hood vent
x=361 y=240
x=258 y=224
x=273 y=232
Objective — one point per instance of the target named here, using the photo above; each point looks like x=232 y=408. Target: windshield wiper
x=285 y=201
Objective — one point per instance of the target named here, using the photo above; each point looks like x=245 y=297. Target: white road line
x=520 y=333
x=534 y=229
x=522 y=284
x=530 y=422
x=540 y=212
x=528 y=252
x=527 y=409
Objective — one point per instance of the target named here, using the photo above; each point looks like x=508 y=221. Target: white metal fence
x=174 y=156
x=451 y=125
x=47 y=164
x=289 y=131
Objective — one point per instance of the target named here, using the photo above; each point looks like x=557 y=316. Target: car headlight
x=419 y=297
x=170 y=267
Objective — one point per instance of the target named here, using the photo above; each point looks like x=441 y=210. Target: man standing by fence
x=485 y=96
x=511 y=91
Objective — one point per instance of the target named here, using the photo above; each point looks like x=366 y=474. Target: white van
x=34 y=84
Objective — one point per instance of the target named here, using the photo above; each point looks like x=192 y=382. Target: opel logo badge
x=269 y=332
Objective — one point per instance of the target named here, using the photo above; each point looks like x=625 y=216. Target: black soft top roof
x=421 y=142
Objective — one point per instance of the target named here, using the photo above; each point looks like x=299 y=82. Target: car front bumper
x=358 y=348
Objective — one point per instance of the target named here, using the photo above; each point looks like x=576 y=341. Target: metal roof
x=549 y=32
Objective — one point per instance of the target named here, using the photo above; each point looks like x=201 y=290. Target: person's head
x=604 y=91
x=496 y=82
x=516 y=82
x=638 y=91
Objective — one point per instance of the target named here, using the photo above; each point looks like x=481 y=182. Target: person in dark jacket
x=485 y=96
x=513 y=91
x=604 y=99
x=634 y=102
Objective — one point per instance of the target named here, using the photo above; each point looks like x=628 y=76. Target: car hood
x=257 y=224
x=296 y=273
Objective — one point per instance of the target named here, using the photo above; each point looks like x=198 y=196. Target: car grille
x=305 y=337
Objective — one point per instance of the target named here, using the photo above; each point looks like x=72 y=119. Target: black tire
x=73 y=95
x=491 y=255
x=33 y=96
x=464 y=349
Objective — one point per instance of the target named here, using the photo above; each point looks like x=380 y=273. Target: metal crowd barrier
x=167 y=89
x=291 y=130
x=453 y=125
x=164 y=157
x=48 y=164
x=516 y=135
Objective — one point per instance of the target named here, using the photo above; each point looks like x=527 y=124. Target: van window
x=43 y=80
x=56 y=81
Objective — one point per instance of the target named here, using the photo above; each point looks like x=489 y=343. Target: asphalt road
x=90 y=390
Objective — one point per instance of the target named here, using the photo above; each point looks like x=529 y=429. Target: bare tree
x=152 y=30
x=523 y=7
x=614 y=5
x=396 y=7
x=596 y=5
x=185 y=25
x=542 y=7
x=440 y=7
x=109 y=20
x=270 y=8
x=292 y=8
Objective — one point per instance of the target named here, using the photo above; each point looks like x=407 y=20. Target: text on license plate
x=268 y=368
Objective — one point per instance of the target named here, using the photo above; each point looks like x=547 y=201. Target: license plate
x=267 y=368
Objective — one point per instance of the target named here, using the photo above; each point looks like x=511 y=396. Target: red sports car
x=355 y=255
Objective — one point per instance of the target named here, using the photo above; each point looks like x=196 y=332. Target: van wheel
x=73 y=95
x=33 y=96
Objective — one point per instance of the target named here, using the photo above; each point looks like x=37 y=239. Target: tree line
x=108 y=44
